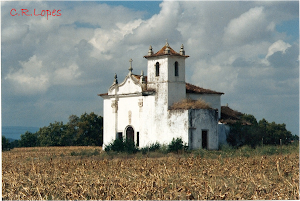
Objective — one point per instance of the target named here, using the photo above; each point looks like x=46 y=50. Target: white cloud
x=66 y=76
x=14 y=33
x=221 y=78
x=106 y=41
x=228 y=44
x=159 y=27
x=31 y=78
x=251 y=25
x=276 y=47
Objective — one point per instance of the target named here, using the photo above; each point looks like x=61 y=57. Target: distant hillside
x=15 y=132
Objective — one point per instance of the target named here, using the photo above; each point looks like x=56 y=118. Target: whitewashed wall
x=203 y=119
x=129 y=86
x=109 y=133
x=150 y=115
x=167 y=84
x=128 y=115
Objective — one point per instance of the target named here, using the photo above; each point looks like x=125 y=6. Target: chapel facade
x=140 y=108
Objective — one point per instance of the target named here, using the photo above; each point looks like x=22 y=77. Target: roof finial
x=182 y=52
x=167 y=50
x=150 y=52
x=116 y=79
x=130 y=68
x=167 y=44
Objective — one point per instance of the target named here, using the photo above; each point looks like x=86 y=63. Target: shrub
x=176 y=145
x=129 y=147
x=119 y=145
x=153 y=147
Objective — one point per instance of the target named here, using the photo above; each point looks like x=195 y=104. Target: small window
x=120 y=135
x=157 y=69
x=137 y=139
x=176 y=68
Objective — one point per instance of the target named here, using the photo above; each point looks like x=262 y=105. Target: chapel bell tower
x=166 y=74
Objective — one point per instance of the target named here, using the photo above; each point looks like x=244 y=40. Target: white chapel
x=141 y=108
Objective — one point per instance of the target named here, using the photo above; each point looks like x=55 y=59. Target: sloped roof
x=190 y=88
x=105 y=94
x=198 y=90
x=161 y=52
x=230 y=116
x=138 y=77
x=228 y=113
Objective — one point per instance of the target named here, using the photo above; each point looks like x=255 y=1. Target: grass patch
x=88 y=153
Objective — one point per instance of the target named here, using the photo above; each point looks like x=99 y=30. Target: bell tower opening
x=157 y=69
x=166 y=74
x=176 y=68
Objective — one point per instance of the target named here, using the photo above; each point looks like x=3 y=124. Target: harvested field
x=87 y=173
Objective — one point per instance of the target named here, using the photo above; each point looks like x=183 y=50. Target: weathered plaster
x=213 y=99
x=127 y=104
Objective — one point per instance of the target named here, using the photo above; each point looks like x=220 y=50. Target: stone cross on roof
x=130 y=67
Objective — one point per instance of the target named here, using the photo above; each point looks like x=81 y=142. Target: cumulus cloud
x=31 y=78
x=34 y=77
x=234 y=47
x=14 y=33
x=278 y=46
x=66 y=75
x=106 y=41
x=249 y=26
x=159 y=27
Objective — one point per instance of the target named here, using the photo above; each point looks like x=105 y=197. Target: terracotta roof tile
x=189 y=88
x=198 y=90
x=161 y=52
x=230 y=116
x=105 y=94
x=228 y=113
x=138 y=77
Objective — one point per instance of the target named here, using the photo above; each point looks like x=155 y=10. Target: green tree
x=248 y=132
x=28 y=139
x=72 y=130
x=236 y=137
x=14 y=144
x=5 y=144
x=249 y=118
x=53 y=135
x=89 y=130
x=274 y=132
x=86 y=130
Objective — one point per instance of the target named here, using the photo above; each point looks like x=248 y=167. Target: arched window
x=176 y=68
x=129 y=134
x=157 y=69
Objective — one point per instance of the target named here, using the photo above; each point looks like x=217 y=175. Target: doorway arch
x=130 y=134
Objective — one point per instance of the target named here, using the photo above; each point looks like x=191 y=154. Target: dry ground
x=67 y=173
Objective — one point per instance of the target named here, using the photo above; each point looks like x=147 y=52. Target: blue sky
x=54 y=68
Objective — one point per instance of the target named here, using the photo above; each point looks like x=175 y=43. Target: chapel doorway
x=204 y=139
x=130 y=134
